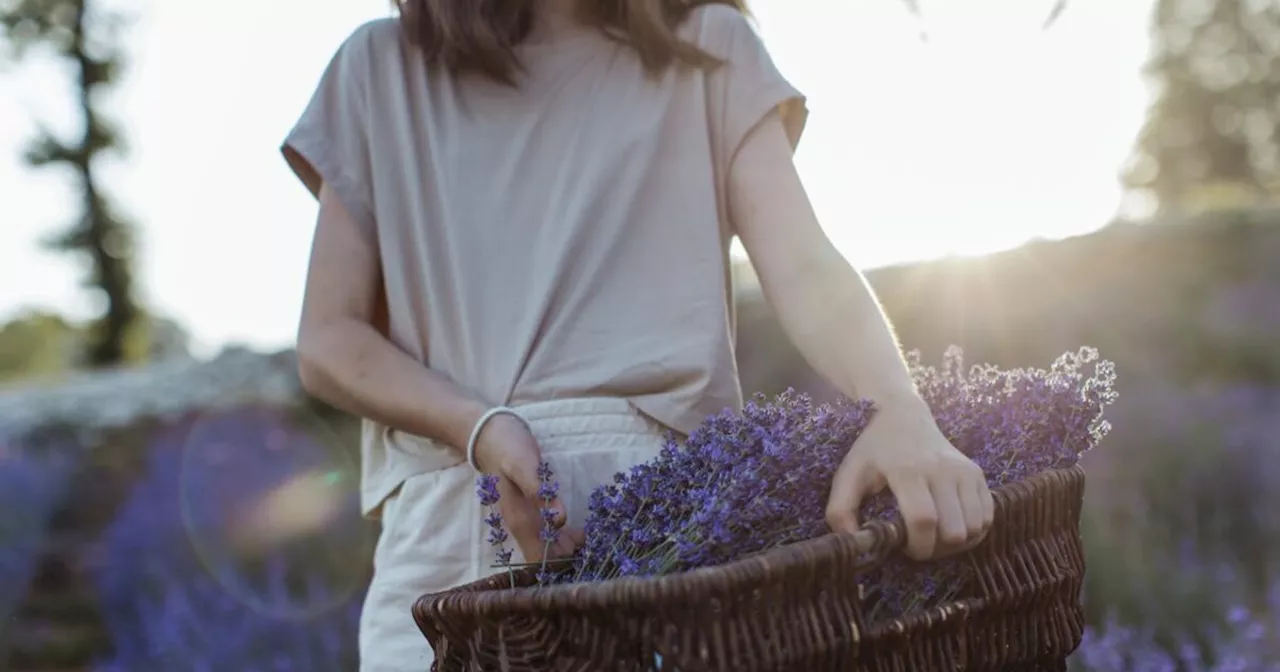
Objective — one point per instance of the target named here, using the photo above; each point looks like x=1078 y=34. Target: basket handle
x=876 y=540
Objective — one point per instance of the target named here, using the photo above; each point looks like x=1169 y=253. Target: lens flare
x=270 y=507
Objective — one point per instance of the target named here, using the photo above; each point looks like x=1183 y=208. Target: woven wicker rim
x=876 y=539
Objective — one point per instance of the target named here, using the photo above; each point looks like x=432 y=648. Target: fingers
x=971 y=501
x=847 y=492
x=552 y=513
x=965 y=508
x=522 y=518
x=953 y=531
x=521 y=468
x=979 y=509
x=946 y=505
x=534 y=546
x=567 y=542
x=527 y=517
x=919 y=512
x=574 y=536
x=988 y=503
x=526 y=525
x=525 y=507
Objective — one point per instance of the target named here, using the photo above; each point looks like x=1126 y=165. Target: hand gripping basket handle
x=876 y=540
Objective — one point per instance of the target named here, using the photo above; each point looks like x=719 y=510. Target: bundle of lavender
x=748 y=482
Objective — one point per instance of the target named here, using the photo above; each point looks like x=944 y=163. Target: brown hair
x=480 y=36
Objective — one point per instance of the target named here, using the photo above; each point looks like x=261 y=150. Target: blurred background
x=1019 y=177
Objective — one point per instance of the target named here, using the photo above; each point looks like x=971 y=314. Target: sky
x=990 y=133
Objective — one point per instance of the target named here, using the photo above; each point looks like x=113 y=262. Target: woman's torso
x=566 y=238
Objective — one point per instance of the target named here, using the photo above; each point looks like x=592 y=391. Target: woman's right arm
x=344 y=360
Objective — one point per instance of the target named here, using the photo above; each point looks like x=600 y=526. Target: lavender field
x=239 y=547
x=231 y=540
x=167 y=509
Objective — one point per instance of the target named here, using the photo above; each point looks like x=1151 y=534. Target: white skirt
x=433 y=534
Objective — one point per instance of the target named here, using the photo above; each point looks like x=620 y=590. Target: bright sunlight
x=990 y=133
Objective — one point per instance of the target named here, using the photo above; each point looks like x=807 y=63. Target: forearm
x=350 y=365
x=833 y=318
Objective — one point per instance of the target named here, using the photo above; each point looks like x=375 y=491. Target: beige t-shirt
x=568 y=238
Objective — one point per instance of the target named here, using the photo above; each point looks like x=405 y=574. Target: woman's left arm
x=832 y=316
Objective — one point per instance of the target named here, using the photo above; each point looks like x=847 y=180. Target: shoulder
x=714 y=26
x=372 y=41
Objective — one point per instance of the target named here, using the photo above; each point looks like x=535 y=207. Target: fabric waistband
x=548 y=420
x=554 y=423
x=561 y=418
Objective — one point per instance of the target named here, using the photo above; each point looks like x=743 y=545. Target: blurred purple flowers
x=1248 y=640
x=182 y=595
x=30 y=487
x=748 y=482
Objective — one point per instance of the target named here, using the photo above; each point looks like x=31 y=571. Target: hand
x=507 y=449
x=942 y=494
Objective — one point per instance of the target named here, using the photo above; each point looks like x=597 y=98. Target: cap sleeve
x=748 y=87
x=329 y=144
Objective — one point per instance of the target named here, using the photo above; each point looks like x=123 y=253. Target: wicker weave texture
x=794 y=608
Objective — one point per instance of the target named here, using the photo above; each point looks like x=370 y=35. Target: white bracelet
x=484 y=420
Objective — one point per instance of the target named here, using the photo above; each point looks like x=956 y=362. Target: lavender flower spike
x=548 y=489
x=487 y=491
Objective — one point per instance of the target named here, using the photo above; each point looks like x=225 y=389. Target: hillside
x=1182 y=302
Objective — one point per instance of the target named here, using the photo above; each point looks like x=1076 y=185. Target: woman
x=522 y=252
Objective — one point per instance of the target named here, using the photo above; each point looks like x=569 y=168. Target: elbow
x=314 y=360
x=310 y=378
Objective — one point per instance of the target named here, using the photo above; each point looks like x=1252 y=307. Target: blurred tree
x=87 y=38
x=1209 y=140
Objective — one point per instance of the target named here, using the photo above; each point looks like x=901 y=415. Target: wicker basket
x=793 y=608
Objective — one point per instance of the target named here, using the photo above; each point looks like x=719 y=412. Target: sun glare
x=989 y=133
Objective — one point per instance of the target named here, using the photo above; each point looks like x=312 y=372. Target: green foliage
x=39 y=345
x=89 y=41
x=34 y=345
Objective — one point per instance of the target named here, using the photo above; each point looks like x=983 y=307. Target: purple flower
x=740 y=484
x=548 y=489
x=487 y=491
x=746 y=482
